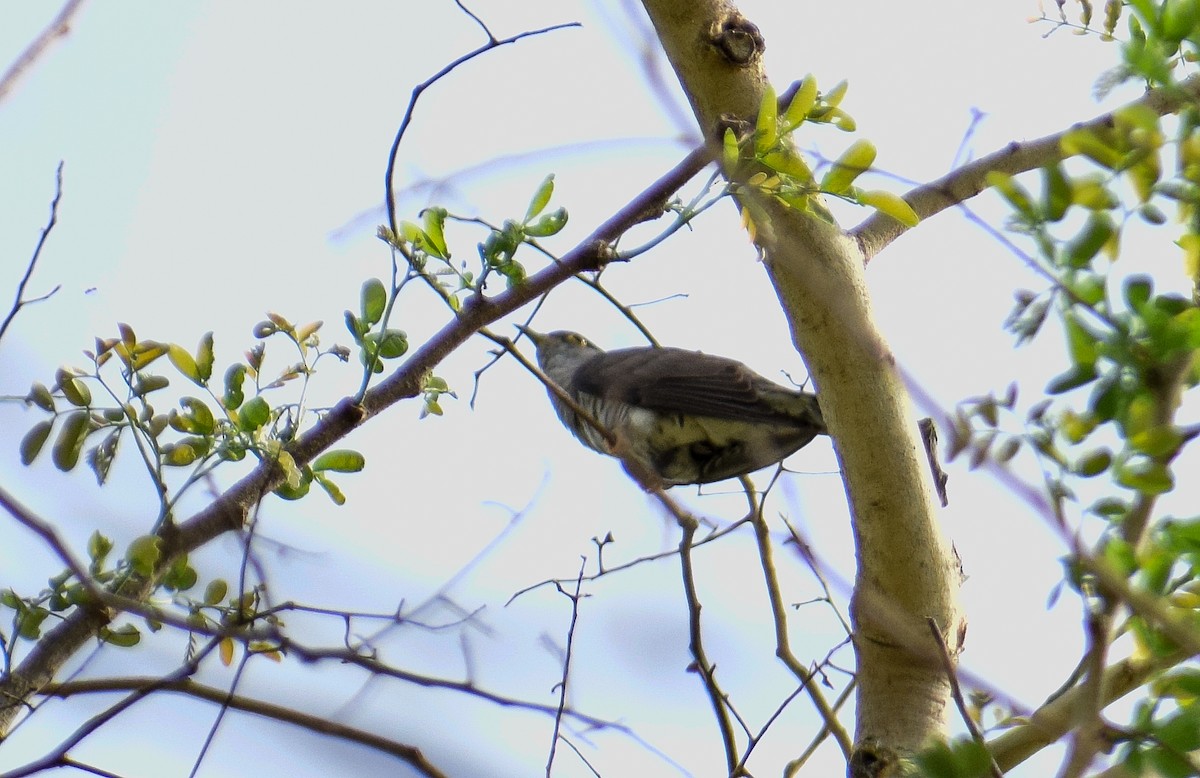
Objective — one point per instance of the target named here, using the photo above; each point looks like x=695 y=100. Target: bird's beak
x=531 y=333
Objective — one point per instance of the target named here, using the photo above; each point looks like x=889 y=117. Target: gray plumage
x=682 y=416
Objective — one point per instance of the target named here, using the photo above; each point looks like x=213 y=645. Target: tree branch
x=186 y=686
x=961 y=184
x=20 y=301
x=230 y=510
x=58 y=28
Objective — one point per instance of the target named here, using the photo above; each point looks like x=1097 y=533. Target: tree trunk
x=907 y=570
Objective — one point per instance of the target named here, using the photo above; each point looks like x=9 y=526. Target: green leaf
x=1077 y=376
x=392 y=343
x=1082 y=345
x=434 y=220
x=1097 y=231
x=1145 y=476
x=150 y=383
x=1093 y=464
x=1090 y=144
x=1056 y=192
x=730 y=154
x=789 y=163
x=891 y=204
x=177 y=455
x=181 y=576
x=1013 y=192
x=143 y=554
x=98 y=548
x=71 y=435
x=833 y=98
x=184 y=363
x=234 y=377
x=29 y=624
x=330 y=488
x=1157 y=441
x=214 y=593
x=100 y=458
x=40 y=396
x=1093 y=193
x=254 y=414
x=550 y=224
x=1138 y=290
x=1179 y=19
x=340 y=461
x=372 y=303
x=766 y=128
x=540 y=199
x=204 y=356
x=289 y=492
x=75 y=390
x=125 y=636
x=853 y=162
x=802 y=102
x=31 y=444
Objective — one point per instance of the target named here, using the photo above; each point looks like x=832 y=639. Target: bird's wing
x=672 y=380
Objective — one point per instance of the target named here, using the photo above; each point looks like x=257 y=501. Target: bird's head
x=559 y=353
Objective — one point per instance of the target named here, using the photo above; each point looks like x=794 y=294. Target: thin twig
x=703 y=666
x=409 y=754
x=566 y=671
x=956 y=693
x=20 y=300
x=389 y=184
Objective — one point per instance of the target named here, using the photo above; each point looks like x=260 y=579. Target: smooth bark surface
x=907 y=571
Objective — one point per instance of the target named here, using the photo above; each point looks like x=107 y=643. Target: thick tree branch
x=907 y=571
x=1056 y=718
x=963 y=183
x=232 y=508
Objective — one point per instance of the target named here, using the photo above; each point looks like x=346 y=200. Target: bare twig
x=20 y=301
x=389 y=183
x=58 y=28
x=54 y=757
x=575 y=597
x=783 y=650
x=407 y=753
x=720 y=703
x=956 y=692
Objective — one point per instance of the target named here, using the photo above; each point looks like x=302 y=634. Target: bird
x=675 y=416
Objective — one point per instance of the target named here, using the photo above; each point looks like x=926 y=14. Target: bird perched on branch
x=672 y=415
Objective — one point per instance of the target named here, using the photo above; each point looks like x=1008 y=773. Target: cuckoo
x=678 y=416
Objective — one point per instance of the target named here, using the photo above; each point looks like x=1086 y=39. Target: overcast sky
x=225 y=159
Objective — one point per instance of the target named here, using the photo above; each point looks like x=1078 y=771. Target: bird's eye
x=575 y=339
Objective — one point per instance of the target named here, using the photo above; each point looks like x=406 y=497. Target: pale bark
x=907 y=571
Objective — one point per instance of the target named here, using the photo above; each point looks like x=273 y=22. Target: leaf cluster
x=769 y=164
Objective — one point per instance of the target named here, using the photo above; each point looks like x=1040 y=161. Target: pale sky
x=225 y=159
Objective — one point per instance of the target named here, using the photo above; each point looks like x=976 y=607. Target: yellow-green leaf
x=143 y=554
x=891 y=204
x=340 y=461
x=184 y=363
x=730 y=153
x=70 y=440
x=372 y=300
x=766 y=129
x=75 y=390
x=802 y=102
x=541 y=198
x=853 y=162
